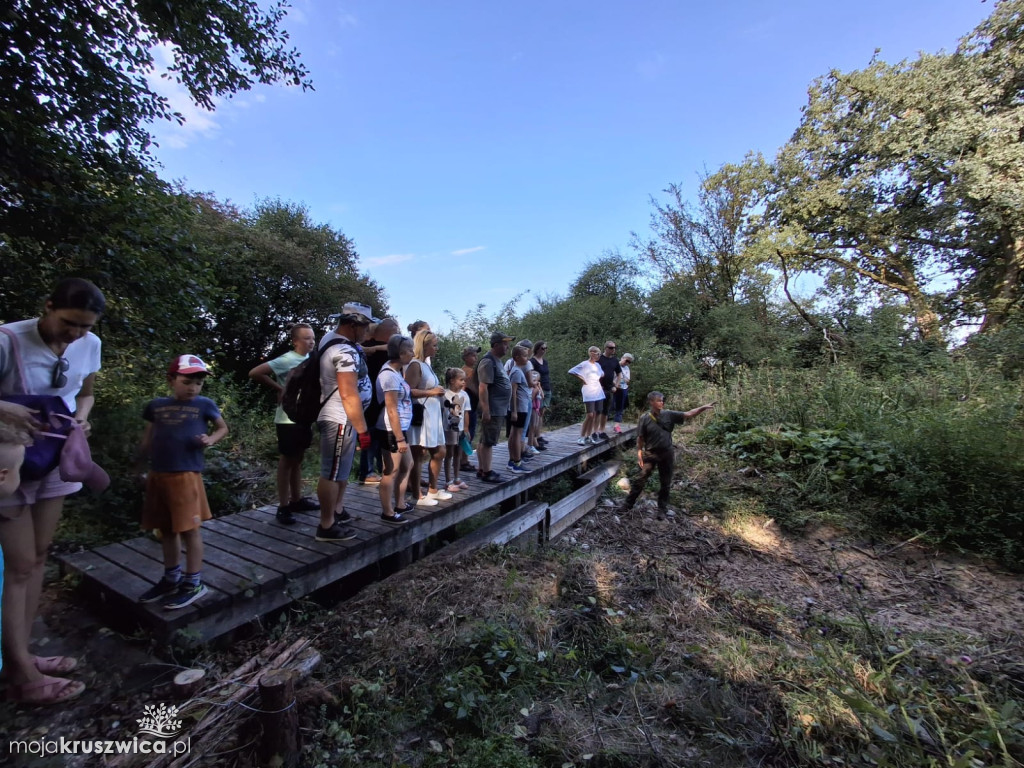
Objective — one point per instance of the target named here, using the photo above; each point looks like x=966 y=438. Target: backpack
x=302 y=400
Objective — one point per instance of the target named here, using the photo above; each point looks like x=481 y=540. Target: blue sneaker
x=517 y=469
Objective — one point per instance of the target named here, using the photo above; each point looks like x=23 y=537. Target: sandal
x=55 y=664
x=48 y=690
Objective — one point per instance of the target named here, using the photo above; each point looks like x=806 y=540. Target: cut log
x=187 y=683
x=280 y=744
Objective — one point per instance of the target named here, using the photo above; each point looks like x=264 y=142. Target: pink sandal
x=48 y=690
x=60 y=665
x=463 y=486
x=453 y=488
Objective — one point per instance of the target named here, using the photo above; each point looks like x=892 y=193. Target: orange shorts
x=175 y=502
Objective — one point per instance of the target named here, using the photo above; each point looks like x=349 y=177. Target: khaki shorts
x=175 y=502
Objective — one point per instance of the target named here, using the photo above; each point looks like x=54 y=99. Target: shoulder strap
x=16 y=354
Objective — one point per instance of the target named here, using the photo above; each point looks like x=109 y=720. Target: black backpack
x=302 y=399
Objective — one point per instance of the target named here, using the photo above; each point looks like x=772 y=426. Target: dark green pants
x=665 y=462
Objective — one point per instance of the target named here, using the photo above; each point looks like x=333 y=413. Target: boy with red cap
x=177 y=433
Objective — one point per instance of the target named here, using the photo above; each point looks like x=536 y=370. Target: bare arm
x=348 y=391
x=220 y=431
x=262 y=374
x=699 y=410
x=391 y=405
x=84 y=401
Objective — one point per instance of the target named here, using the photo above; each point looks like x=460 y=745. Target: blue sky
x=474 y=151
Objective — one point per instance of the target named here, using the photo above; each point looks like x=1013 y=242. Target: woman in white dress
x=589 y=372
x=427 y=438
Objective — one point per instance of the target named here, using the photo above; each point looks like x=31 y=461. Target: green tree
x=76 y=100
x=909 y=177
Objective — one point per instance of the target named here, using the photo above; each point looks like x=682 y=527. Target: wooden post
x=280 y=744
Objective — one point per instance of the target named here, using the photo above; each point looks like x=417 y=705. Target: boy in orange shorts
x=174 y=441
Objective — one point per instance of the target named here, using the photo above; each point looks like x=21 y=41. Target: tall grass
x=954 y=432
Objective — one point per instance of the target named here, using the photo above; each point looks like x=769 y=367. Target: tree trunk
x=1006 y=293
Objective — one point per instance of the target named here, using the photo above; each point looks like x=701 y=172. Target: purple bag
x=61 y=441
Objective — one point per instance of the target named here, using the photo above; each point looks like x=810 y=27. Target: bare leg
x=434 y=467
x=419 y=453
x=170 y=542
x=193 y=550
x=295 y=478
x=327 y=491
x=387 y=483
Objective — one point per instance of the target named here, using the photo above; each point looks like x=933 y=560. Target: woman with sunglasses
x=56 y=354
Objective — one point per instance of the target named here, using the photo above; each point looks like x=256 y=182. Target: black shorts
x=293 y=439
x=387 y=440
x=606 y=405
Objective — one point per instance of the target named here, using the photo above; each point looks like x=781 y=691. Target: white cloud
x=464 y=251
x=198 y=121
x=394 y=258
x=347 y=19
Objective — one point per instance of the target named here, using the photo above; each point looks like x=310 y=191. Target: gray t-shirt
x=518 y=377
x=499 y=389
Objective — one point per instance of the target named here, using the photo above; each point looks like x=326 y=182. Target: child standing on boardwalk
x=655 y=450
x=456 y=409
x=176 y=436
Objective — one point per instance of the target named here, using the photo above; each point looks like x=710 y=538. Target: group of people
x=380 y=393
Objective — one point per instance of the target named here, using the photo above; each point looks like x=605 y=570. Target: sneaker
x=284 y=515
x=540 y=447
x=426 y=501
x=343 y=516
x=491 y=477
x=467 y=467
x=454 y=487
x=618 y=429
x=463 y=486
x=594 y=439
x=396 y=519
x=370 y=480
x=334 y=533
x=305 y=504
x=517 y=469
x=162 y=588
x=186 y=594
x=439 y=494
x=603 y=435
x=530 y=451
x=542 y=440
x=583 y=441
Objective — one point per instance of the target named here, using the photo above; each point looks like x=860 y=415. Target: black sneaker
x=305 y=504
x=396 y=519
x=334 y=533
x=603 y=435
x=186 y=594
x=284 y=515
x=162 y=588
x=491 y=477
x=343 y=516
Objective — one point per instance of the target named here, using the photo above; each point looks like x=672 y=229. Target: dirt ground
x=899 y=584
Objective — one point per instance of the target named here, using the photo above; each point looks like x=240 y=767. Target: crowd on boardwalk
x=378 y=392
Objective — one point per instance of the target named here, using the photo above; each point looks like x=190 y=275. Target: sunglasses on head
x=58 y=376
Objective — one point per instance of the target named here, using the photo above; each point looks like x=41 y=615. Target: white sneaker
x=595 y=439
x=582 y=441
x=426 y=501
x=438 y=494
x=531 y=451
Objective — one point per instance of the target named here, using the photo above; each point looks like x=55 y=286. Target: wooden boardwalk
x=254 y=565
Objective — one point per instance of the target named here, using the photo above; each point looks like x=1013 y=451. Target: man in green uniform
x=655 y=450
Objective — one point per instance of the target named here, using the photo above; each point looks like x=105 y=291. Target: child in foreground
x=174 y=441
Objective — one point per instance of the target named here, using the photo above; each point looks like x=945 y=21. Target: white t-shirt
x=624 y=379
x=38 y=361
x=591 y=373
x=341 y=358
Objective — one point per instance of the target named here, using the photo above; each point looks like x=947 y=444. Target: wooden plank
x=226 y=546
x=304 y=558
x=566 y=511
x=500 y=531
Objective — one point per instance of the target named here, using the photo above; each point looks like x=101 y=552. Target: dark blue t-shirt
x=177 y=425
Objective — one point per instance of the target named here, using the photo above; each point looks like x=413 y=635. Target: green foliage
x=941 y=451
x=76 y=98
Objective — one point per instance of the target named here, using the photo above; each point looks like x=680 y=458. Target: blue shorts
x=337 y=450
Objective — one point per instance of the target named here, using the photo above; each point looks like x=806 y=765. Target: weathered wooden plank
x=504 y=529
x=566 y=511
